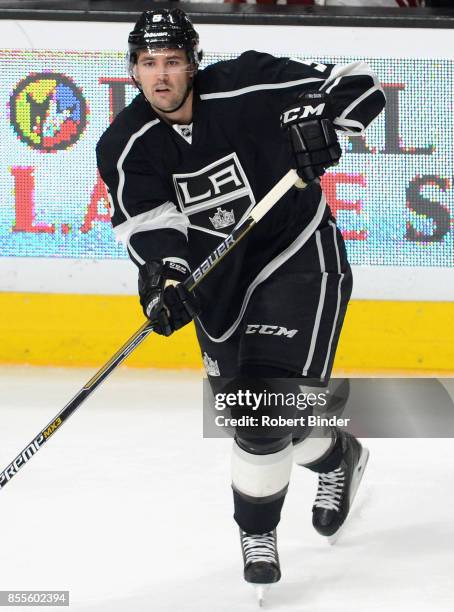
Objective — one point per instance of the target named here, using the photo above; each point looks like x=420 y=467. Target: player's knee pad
x=262 y=477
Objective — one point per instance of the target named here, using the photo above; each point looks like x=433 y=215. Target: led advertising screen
x=391 y=193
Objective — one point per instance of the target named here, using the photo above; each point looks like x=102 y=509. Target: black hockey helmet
x=164 y=28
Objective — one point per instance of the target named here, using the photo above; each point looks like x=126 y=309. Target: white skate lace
x=259 y=547
x=330 y=487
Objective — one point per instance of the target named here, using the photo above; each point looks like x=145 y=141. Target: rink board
x=86 y=330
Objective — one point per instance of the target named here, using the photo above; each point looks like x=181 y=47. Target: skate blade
x=356 y=480
x=260 y=591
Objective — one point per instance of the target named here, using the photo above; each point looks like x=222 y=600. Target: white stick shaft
x=274 y=195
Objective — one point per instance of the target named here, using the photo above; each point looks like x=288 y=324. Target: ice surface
x=129 y=508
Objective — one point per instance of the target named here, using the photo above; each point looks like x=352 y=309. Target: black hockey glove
x=313 y=138
x=168 y=306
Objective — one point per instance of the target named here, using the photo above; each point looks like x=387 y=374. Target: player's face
x=164 y=76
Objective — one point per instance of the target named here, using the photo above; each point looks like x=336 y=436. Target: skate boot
x=337 y=489
x=261 y=561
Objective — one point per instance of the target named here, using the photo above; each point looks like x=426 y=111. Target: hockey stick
x=239 y=231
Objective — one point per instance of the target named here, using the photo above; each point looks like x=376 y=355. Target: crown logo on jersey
x=211 y=365
x=222 y=218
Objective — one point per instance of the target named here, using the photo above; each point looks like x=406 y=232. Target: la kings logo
x=202 y=195
x=211 y=365
x=222 y=218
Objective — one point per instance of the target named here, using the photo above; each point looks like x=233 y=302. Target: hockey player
x=185 y=162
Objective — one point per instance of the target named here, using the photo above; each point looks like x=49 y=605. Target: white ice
x=129 y=508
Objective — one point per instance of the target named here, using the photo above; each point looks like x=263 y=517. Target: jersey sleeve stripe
x=355 y=103
x=121 y=159
x=164 y=216
x=350 y=126
x=319 y=67
x=349 y=70
x=333 y=84
x=350 y=85
x=260 y=87
x=134 y=255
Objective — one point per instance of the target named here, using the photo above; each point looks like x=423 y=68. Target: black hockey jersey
x=177 y=200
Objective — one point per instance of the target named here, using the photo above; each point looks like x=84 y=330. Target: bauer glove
x=313 y=139
x=165 y=301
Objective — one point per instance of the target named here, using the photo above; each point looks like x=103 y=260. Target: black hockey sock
x=257 y=516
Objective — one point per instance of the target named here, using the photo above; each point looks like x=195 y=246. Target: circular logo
x=48 y=111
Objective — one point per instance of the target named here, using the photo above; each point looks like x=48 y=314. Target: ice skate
x=337 y=489
x=261 y=561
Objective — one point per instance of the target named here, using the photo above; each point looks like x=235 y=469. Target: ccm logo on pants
x=271 y=330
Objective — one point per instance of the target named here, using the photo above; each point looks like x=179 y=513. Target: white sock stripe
x=261 y=475
x=311 y=448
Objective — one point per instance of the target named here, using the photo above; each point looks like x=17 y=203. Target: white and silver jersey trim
x=164 y=216
x=321 y=302
x=339 y=296
x=121 y=159
x=339 y=71
x=260 y=87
